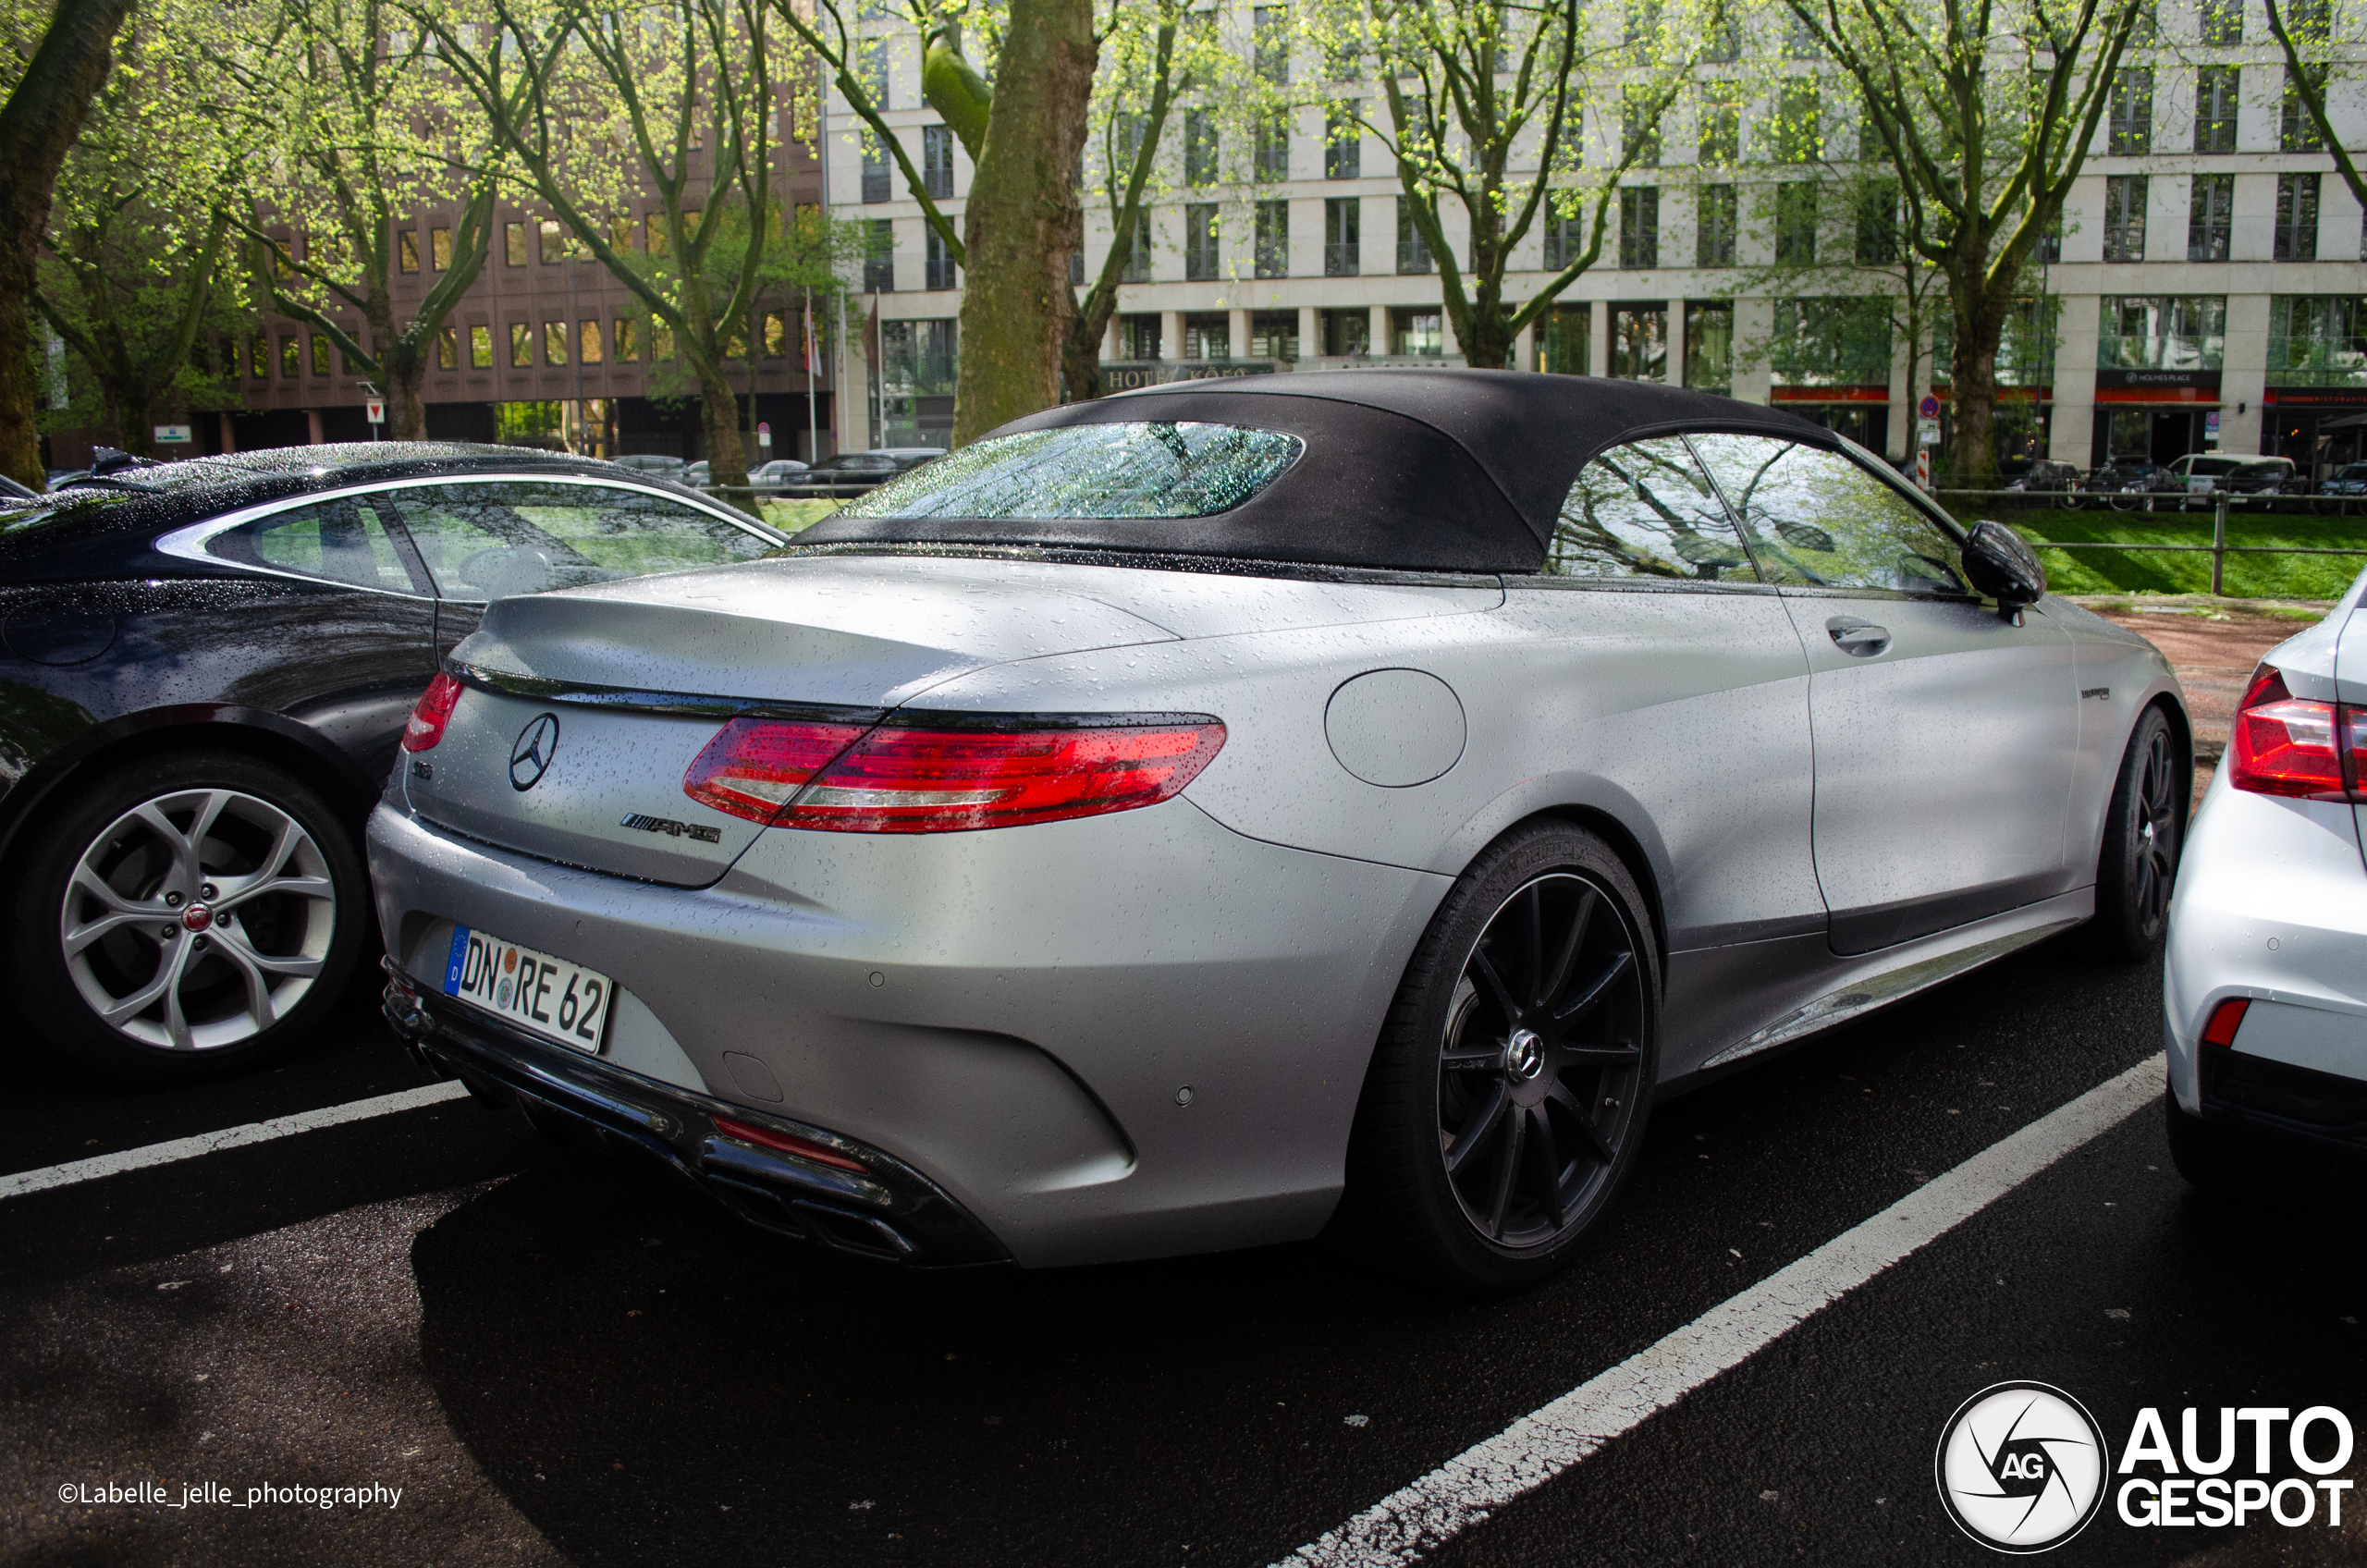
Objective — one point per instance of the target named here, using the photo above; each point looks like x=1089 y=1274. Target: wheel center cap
x=197 y=917
x=1523 y=1056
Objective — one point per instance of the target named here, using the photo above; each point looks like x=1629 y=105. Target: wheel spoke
x=1497 y=991
x=1484 y=1059
x=1505 y=1174
x=89 y=882
x=1569 y=953
x=1624 y=1055
x=1583 y=1114
x=1536 y=934
x=182 y=848
x=1478 y=1129
x=250 y=965
x=81 y=937
x=1545 y=1158
x=1593 y=992
x=296 y=965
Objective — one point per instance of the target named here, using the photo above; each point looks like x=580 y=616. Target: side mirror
x=2000 y=565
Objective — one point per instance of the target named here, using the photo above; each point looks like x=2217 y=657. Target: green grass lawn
x=2188 y=571
x=795 y=517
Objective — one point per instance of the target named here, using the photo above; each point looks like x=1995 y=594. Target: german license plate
x=560 y=1002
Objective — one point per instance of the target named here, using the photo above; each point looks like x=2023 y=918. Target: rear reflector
x=2281 y=744
x=911 y=780
x=2225 y=1018
x=804 y=1148
x=431 y=714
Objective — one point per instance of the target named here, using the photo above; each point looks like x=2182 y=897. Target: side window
x=335 y=540
x=496 y=538
x=1645 y=510
x=1816 y=520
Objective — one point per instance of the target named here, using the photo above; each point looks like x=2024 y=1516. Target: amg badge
x=679 y=829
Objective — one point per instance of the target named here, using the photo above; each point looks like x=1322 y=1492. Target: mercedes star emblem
x=531 y=757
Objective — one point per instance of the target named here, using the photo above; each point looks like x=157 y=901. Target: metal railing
x=2219 y=549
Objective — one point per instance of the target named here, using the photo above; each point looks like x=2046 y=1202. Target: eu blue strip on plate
x=452 y=965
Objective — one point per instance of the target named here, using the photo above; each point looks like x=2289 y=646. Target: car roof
x=1434 y=469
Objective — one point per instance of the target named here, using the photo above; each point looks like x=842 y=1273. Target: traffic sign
x=764 y=435
x=1928 y=408
x=174 y=435
x=375 y=409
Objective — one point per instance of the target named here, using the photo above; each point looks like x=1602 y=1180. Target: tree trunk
x=1022 y=222
x=726 y=459
x=1972 y=364
x=38 y=125
x=405 y=369
x=1081 y=353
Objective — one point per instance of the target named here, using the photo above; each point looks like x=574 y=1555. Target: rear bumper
x=891 y=1212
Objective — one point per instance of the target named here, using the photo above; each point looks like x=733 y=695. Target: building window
x=407 y=250
x=589 y=348
x=2297 y=217
x=2210 y=219
x=2125 y=218
x=1342 y=216
x=2162 y=332
x=1639 y=342
x=871 y=69
x=1710 y=344
x=773 y=339
x=2217 y=90
x=874 y=169
x=1208 y=335
x=2316 y=339
x=258 y=357
x=1273 y=334
x=1273 y=253
x=1798 y=135
x=661 y=343
x=1796 y=218
x=1203 y=252
x=1343 y=143
x=2222 y=23
x=1639 y=127
x=1714 y=234
x=291 y=358
x=937 y=261
x=522 y=344
x=627 y=340
x=2129 y=132
x=439 y=248
x=320 y=353
x=879 y=258
x=1639 y=227
x=655 y=225
x=1138 y=267
x=1562 y=335
x=936 y=161
x=1413 y=252
x=481 y=348
x=1565 y=233
x=1270 y=152
x=1878 y=226
x=1346 y=332
x=1199 y=147
x=1720 y=129
x=554 y=342
x=1269 y=34
x=447 y=347
x=1417 y=332
x=1139 y=337
x=551 y=243
x=513 y=244
x=2296 y=131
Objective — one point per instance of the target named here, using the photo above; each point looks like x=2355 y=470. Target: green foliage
x=2188 y=571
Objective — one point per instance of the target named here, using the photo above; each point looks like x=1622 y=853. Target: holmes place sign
x=2205 y=379
x=1125 y=375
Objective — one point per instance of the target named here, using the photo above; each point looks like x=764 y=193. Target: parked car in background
x=846 y=474
x=1178 y=818
x=697 y=473
x=2264 y=983
x=2274 y=482
x=770 y=478
x=655 y=464
x=2044 y=476
x=2344 y=489
x=205 y=670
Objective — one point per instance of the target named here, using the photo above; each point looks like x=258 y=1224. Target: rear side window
x=1815 y=519
x=1645 y=510
x=496 y=538
x=1119 y=471
x=335 y=540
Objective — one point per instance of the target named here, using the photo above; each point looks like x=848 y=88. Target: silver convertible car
x=1207 y=815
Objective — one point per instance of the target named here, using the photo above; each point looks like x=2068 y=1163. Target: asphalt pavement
x=558 y=1360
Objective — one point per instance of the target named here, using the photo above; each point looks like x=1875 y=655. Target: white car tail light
x=2286 y=745
x=896 y=779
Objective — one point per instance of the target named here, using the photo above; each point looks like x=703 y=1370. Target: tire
x=2144 y=829
x=213 y=903
x=1557 y=1032
x=2211 y=1158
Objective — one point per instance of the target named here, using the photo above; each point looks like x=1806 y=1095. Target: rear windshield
x=1116 y=471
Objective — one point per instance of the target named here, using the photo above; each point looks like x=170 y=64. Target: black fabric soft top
x=1416 y=470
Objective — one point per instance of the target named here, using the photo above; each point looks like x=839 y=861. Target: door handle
x=1858 y=639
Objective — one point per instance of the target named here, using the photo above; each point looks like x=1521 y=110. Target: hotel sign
x=1124 y=375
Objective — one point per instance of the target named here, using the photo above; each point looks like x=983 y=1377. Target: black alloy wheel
x=1538 y=1068
x=2144 y=829
x=1509 y=1092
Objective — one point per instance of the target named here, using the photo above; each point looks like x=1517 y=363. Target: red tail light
x=909 y=780
x=753 y=765
x=804 y=1148
x=434 y=711
x=2284 y=745
x=2225 y=1018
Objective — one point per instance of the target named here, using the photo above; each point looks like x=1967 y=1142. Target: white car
x=2265 y=986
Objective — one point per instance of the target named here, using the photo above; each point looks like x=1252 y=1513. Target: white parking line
x=90 y=1169
x=1543 y=1444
